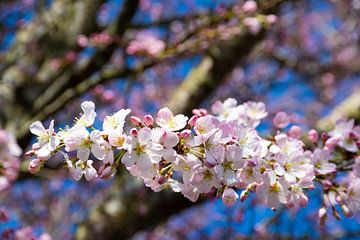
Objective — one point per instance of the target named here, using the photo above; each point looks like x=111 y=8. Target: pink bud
x=107 y=172
x=281 y=120
x=34 y=166
x=331 y=143
x=135 y=120
x=324 y=136
x=35 y=146
x=347 y=212
x=303 y=201
x=203 y=111
x=295 y=132
x=82 y=41
x=244 y=195
x=134 y=132
x=196 y=112
x=313 y=135
x=322 y=215
x=30 y=153
x=4 y=215
x=108 y=95
x=71 y=56
x=249 y=6
x=148 y=120
x=353 y=136
x=185 y=133
x=271 y=19
x=193 y=120
x=229 y=197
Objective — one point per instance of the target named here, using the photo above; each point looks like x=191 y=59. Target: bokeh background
x=302 y=57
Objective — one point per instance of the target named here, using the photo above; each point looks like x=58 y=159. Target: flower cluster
x=206 y=153
x=9 y=162
x=147 y=44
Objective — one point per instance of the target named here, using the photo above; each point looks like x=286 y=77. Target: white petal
x=144 y=135
x=128 y=159
x=37 y=128
x=98 y=151
x=83 y=153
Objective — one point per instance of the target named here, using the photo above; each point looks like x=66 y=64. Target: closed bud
x=303 y=201
x=193 y=120
x=185 y=133
x=331 y=143
x=135 y=120
x=244 y=195
x=34 y=166
x=295 y=132
x=229 y=197
x=30 y=153
x=203 y=111
x=249 y=6
x=134 y=132
x=347 y=212
x=324 y=136
x=322 y=214
x=313 y=135
x=148 y=120
x=336 y=213
x=281 y=120
x=107 y=172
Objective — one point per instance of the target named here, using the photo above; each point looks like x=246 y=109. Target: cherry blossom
x=210 y=154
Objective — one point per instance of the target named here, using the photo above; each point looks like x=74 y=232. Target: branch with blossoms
x=218 y=152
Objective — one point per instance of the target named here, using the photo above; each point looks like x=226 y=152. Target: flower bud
x=249 y=6
x=34 y=166
x=353 y=136
x=331 y=143
x=271 y=19
x=203 y=111
x=134 y=132
x=196 y=112
x=4 y=215
x=281 y=120
x=148 y=120
x=193 y=120
x=313 y=135
x=303 y=201
x=107 y=172
x=35 y=146
x=295 y=132
x=136 y=121
x=324 y=136
x=30 y=153
x=244 y=195
x=347 y=212
x=185 y=133
x=322 y=214
x=229 y=197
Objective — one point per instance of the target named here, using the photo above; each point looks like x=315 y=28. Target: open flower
x=273 y=190
x=166 y=119
x=47 y=139
x=344 y=132
x=78 y=138
x=115 y=122
x=143 y=153
x=81 y=168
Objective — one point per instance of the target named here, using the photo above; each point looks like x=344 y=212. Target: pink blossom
x=281 y=120
x=229 y=197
